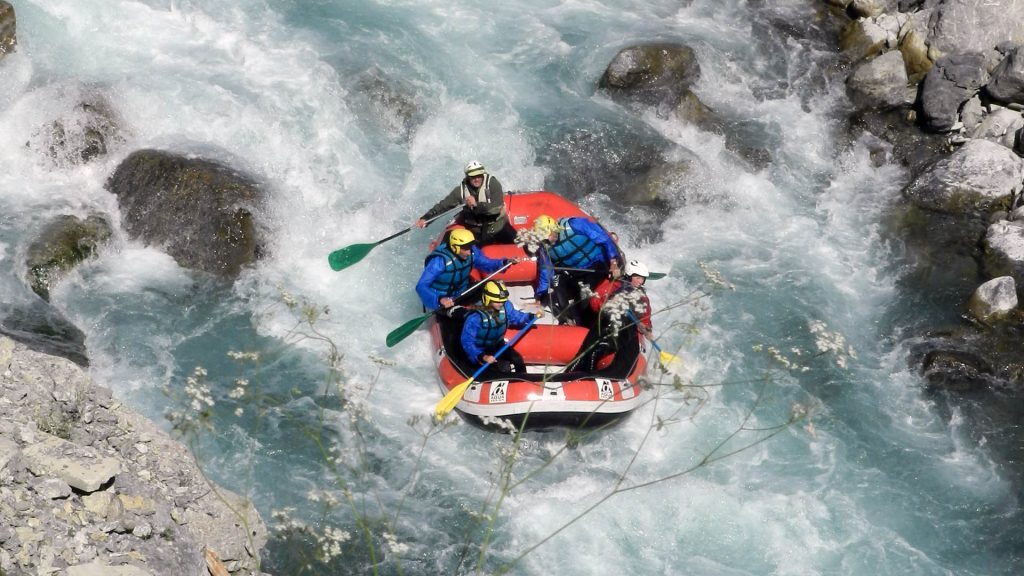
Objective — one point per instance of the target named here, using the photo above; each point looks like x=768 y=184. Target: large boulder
x=1007 y=83
x=199 y=211
x=656 y=74
x=8 y=29
x=880 y=83
x=952 y=81
x=62 y=244
x=971 y=26
x=977 y=177
x=43 y=328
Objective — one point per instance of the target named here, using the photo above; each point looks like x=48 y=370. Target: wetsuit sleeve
x=601 y=295
x=597 y=234
x=544 y=270
x=468 y=338
x=453 y=199
x=484 y=263
x=516 y=318
x=430 y=297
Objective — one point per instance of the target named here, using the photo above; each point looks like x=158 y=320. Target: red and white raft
x=548 y=395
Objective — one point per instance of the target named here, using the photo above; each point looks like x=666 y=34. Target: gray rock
x=880 y=82
x=8 y=452
x=1004 y=249
x=82 y=468
x=993 y=299
x=200 y=212
x=1007 y=83
x=975 y=177
x=999 y=126
x=100 y=569
x=43 y=328
x=951 y=82
x=971 y=26
x=8 y=29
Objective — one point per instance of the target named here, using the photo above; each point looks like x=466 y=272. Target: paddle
x=455 y=394
x=349 y=255
x=651 y=276
x=664 y=357
x=400 y=333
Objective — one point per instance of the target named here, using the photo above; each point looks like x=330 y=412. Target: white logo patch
x=498 y=391
x=605 y=391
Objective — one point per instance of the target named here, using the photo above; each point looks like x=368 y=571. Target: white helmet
x=636 y=268
x=474 y=168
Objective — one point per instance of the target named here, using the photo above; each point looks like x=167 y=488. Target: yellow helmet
x=494 y=291
x=459 y=238
x=546 y=225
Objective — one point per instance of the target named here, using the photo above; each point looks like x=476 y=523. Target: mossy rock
x=199 y=211
x=651 y=74
x=61 y=245
x=8 y=29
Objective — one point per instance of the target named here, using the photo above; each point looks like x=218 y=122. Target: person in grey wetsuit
x=483 y=211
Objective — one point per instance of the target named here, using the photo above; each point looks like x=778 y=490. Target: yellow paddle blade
x=666 y=358
x=447 y=404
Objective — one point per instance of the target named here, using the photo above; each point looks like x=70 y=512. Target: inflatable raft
x=551 y=393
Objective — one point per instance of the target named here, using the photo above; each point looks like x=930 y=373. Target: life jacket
x=492 y=328
x=573 y=250
x=484 y=209
x=455 y=276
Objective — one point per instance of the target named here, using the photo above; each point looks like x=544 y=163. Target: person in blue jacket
x=582 y=246
x=446 y=270
x=483 y=333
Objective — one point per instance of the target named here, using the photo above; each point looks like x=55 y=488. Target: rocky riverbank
x=88 y=487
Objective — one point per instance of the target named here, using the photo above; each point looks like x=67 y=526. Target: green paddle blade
x=400 y=333
x=656 y=276
x=349 y=255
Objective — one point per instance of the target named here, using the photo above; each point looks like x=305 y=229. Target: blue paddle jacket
x=580 y=244
x=446 y=275
x=484 y=332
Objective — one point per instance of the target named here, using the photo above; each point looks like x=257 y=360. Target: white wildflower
x=238 y=355
x=714 y=277
x=831 y=343
x=394 y=545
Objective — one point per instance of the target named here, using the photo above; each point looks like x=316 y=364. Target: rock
x=970 y=26
x=993 y=299
x=43 y=328
x=8 y=451
x=864 y=38
x=956 y=371
x=82 y=468
x=651 y=74
x=880 y=83
x=8 y=32
x=976 y=177
x=999 y=126
x=132 y=517
x=201 y=212
x=1007 y=84
x=82 y=133
x=914 y=48
x=1004 y=249
x=391 y=101
x=100 y=569
x=952 y=81
x=62 y=244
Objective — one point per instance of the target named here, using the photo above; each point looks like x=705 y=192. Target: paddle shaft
x=400 y=333
x=507 y=345
x=428 y=221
